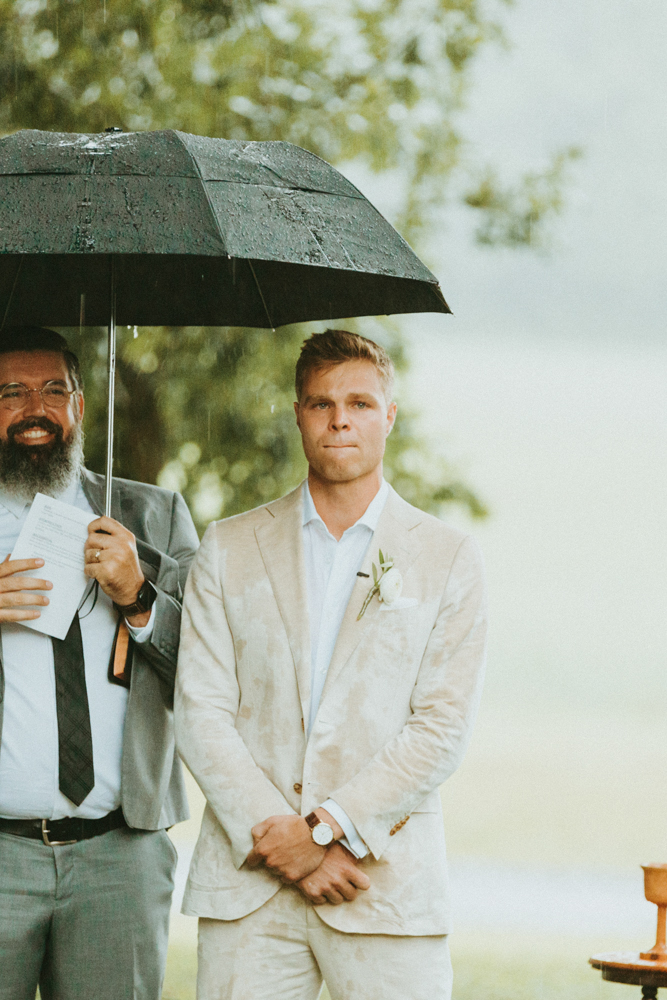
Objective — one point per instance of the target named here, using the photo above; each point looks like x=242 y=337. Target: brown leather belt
x=57 y=832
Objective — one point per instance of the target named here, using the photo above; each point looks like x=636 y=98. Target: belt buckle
x=53 y=843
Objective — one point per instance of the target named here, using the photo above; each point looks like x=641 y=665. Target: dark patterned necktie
x=76 y=776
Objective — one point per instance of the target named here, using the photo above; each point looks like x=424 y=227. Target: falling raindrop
x=273 y=406
x=135 y=332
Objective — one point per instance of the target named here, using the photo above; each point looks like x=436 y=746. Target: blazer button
x=297 y=788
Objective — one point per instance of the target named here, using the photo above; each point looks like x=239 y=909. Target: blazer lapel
x=280 y=542
x=95 y=490
x=393 y=537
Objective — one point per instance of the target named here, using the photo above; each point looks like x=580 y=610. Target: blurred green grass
x=531 y=967
x=181 y=976
x=486 y=967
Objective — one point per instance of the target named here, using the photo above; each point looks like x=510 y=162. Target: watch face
x=322 y=834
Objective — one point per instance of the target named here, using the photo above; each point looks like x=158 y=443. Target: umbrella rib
x=261 y=295
x=11 y=294
x=437 y=291
x=214 y=215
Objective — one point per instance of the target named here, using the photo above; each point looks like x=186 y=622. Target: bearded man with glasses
x=89 y=779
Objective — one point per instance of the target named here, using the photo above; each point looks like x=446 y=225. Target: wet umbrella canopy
x=203 y=232
x=165 y=228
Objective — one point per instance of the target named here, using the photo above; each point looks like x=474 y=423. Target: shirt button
x=297 y=788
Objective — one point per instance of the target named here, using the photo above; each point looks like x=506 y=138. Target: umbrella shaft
x=111 y=355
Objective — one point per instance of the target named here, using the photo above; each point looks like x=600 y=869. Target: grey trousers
x=88 y=921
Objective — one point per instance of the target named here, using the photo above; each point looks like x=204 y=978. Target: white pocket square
x=399 y=604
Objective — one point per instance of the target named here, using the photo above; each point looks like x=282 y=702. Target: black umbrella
x=165 y=228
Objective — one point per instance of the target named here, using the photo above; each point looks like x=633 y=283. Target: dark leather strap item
x=65 y=830
x=312 y=820
x=76 y=775
x=145 y=600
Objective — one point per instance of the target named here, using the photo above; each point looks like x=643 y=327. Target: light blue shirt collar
x=369 y=518
x=13 y=505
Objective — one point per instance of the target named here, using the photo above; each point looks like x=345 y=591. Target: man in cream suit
x=320 y=711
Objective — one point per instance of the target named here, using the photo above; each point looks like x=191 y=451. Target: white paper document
x=56 y=532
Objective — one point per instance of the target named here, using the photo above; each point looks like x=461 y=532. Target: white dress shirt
x=29 y=746
x=331 y=570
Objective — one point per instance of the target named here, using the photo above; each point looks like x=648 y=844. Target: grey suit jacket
x=152 y=789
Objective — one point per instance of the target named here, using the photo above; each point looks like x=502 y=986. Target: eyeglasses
x=16 y=396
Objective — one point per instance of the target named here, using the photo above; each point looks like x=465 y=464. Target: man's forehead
x=16 y=366
x=347 y=377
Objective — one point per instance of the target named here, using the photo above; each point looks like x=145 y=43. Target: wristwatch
x=321 y=833
x=144 y=601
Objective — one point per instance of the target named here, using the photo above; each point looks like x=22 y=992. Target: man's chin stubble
x=339 y=473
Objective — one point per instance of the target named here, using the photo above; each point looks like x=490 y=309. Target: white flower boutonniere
x=391 y=586
x=387 y=583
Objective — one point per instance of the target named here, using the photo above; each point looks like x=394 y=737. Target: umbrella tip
x=113 y=128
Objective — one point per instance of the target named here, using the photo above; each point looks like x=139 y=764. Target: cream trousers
x=283 y=951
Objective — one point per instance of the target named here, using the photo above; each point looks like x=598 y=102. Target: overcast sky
x=549 y=385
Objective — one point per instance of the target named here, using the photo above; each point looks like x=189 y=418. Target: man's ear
x=391 y=417
x=296 y=411
x=80 y=404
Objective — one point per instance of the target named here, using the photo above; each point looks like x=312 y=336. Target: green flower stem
x=375 y=589
x=386 y=564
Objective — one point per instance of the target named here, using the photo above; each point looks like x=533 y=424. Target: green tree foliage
x=514 y=216
x=379 y=82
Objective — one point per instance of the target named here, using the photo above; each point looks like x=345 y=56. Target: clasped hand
x=284 y=845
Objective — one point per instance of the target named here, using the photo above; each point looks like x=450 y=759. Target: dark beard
x=43 y=468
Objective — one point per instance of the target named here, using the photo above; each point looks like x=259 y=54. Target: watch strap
x=144 y=602
x=312 y=820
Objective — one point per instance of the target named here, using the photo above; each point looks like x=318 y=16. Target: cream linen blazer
x=393 y=723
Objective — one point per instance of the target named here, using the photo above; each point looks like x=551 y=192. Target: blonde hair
x=334 y=347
